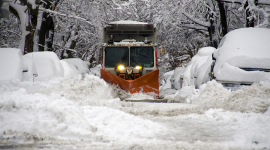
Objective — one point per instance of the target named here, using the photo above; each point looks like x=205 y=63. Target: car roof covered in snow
x=244 y=43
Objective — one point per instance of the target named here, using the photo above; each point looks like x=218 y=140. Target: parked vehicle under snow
x=243 y=57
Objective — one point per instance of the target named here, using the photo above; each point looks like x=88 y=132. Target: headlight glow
x=121 y=67
x=138 y=67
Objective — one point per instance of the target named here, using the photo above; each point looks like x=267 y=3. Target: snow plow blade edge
x=147 y=83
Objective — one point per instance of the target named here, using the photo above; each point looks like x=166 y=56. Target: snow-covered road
x=87 y=113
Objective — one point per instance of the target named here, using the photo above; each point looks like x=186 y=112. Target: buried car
x=242 y=58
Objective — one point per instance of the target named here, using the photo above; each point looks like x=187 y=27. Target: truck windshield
x=142 y=56
x=115 y=56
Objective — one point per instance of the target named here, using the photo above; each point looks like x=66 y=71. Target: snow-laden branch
x=194 y=27
x=202 y=23
x=66 y=15
x=263 y=2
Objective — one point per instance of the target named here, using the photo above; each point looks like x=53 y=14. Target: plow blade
x=147 y=83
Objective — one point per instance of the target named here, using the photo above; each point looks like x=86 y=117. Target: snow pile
x=85 y=90
x=35 y=117
x=95 y=71
x=70 y=110
x=249 y=129
x=254 y=98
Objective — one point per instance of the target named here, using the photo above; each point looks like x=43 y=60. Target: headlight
x=138 y=67
x=121 y=67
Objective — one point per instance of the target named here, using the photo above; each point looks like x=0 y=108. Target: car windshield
x=142 y=56
x=115 y=56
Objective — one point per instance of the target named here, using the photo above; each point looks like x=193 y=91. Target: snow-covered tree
x=74 y=28
x=27 y=12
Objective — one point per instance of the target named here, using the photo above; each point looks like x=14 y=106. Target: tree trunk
x=223 y=18
x=49 y=35
x=46 y=32
x=212 y=29
x=30 y=21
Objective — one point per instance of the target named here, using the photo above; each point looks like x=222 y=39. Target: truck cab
x=129 y=52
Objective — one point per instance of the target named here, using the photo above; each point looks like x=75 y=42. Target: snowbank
x=72 y=110
x=254 y=98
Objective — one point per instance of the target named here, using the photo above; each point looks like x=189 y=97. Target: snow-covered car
x=49 y=55
x=243 y=57
x=78 y=65
x=197 y=72
x=14 y=65
x=11 y=64
x=29 y=69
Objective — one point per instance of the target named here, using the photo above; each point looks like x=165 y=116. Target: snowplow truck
x=129 y=57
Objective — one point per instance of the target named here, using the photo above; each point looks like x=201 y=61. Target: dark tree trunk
x=212 y=32
x=32 y=23
x=46 y=31
x=223 y=18
x=212 y=29
x=72 y=46
x=49 y=34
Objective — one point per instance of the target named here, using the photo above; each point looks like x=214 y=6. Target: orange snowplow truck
x=129 y=56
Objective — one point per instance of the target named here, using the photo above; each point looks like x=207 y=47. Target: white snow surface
x=11 y=64
x=48 y=55
x=63 y=110
x=68 y=71
x=85 y=109
x=79 y=64
x=198 y=69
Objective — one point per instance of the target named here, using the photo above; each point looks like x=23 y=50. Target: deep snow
x=87 y=113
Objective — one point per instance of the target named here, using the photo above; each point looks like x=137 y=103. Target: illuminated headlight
x=121 y=67
x=138 y=67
